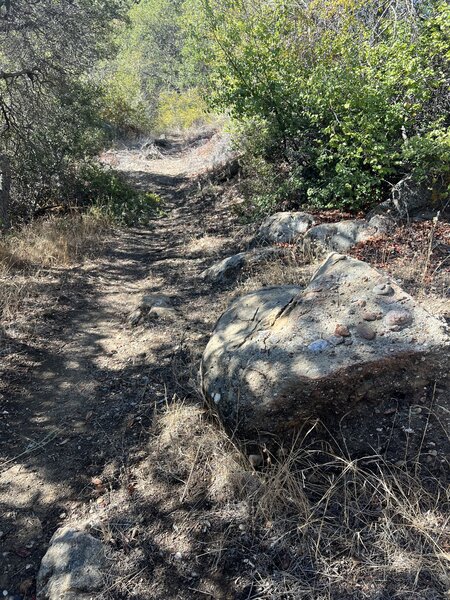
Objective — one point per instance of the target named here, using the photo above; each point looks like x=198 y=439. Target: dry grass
x=207 y=245
x=318 y=526
x=292 y=269
x=56 y=242
x=194 y=451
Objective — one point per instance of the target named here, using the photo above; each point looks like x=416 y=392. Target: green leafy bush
x=107 y=192
x=354 y=94
x=181 y=111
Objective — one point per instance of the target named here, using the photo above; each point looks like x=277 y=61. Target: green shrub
x=354 y=94
x=107 y=192
x=181 y=111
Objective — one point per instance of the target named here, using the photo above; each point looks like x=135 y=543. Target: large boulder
x=73 y=567
x=280 y=356
x=285 y=227
x=340 y=236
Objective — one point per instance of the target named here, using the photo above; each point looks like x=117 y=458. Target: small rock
x=150 y=301
x=342 y=331
x=382 y=223
x=318 y=346
x=339 y=236
x=163 y=312
x=383 y=289
x=372 y=315
x=285 y=227
x=229 y=268
x=432 y=452
x=255 y=460
x=73 y=566
x=365 y=331
x=335 y=340
x=398 y=318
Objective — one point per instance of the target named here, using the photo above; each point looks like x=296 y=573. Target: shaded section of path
x=77 y=396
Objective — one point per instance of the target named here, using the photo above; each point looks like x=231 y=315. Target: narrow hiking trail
x=77 y=396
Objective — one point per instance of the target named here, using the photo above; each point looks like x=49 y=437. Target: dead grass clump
x=54 y=242
x=364 y=529
x=57 y=241
x=294 y=268
x=320 y=525
x=194 y=452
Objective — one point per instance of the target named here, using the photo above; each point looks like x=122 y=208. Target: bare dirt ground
x=90 y=432
x=78 y=389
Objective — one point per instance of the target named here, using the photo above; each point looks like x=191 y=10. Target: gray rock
x=150 y=301
x=285 y=227
x=406 y=198
x=225 y=270
x=340 y=236
x=229 y=268
x=273 y=360
x=163 y=312
x=384 y=224
x=73 y=567
x=152 y=306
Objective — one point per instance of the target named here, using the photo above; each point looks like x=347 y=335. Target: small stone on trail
x=335 y=340
x=398 y=318
x=73 y=567
x=342 y=331
x=372 y=315
x=366 y=331
x=318 y=346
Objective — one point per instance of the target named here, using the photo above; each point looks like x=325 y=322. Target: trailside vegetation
x=51 y=124
x=336 y=100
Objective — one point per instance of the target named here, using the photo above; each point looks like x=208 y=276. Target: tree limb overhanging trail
x=77 y=393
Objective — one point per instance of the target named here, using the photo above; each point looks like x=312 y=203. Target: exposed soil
x=79 y=392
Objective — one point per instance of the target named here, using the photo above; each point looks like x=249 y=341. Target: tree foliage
x=152 y=83
x=353 y=94
x=48 y=103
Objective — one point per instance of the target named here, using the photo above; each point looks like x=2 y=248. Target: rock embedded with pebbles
x=276 y=358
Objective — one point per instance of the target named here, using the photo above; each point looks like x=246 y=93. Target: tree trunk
x=5 y=190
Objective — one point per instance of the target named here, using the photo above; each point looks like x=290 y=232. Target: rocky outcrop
x=285 y=227
x=340 y=236
x=73 y=567
x=229 y=268
x=407 y=197
x=281 y=355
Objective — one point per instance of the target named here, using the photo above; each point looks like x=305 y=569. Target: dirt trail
x=77 y=397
